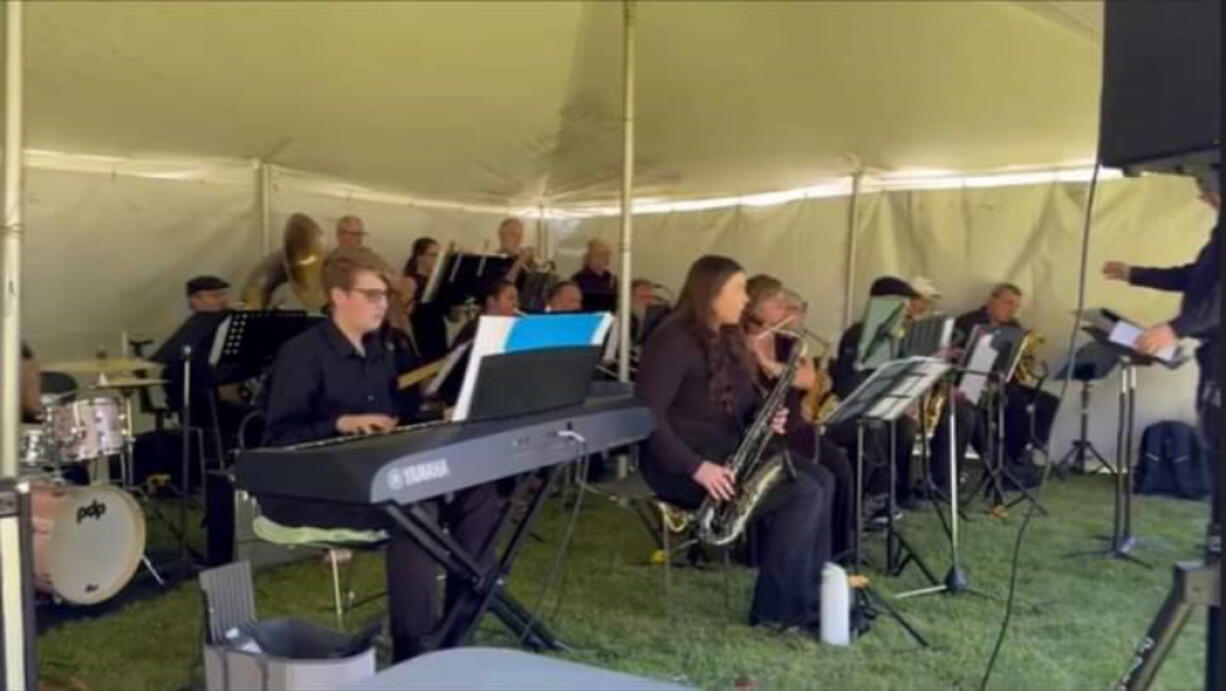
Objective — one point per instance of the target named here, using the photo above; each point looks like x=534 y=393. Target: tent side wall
x=108 y=253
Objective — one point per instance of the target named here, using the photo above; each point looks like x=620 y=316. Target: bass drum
x=88 y=541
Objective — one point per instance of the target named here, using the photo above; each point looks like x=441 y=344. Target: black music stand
x=521 y=382
x=1121 y=541
x=881 y=399
x=458 y=278
x=247 y=341
x=1006 y=342
x=1093 y=362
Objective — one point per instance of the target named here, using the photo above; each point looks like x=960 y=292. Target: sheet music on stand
x=558 y=352
x=458 y=276
x=247 y=341
x=928 y=337
x=890 y=390
x=1121 y=334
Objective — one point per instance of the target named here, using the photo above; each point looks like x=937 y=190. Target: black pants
x=795 y=533
x=470 y=517
x=972 y=428
x=877 y=454
x=834 y=471
x=1018 y=424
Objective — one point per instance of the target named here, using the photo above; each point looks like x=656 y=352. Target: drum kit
x=89 y=540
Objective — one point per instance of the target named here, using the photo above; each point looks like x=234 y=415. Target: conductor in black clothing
x=338 y=379
x=1199 y=314
x=698 y=379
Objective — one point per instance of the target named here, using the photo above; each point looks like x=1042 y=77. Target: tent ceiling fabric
x=509 y=102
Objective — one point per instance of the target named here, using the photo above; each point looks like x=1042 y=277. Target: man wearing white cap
x=924 y=305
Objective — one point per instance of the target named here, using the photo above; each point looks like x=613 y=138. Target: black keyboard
x=423 y=461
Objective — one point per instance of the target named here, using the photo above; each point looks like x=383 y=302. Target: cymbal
x=102 y=365
x=128 y=383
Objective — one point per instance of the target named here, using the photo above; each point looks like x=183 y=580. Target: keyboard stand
x=486 y=583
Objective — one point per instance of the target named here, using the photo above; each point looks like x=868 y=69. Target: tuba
x=1031 y=370
x=756 y=471
x=301 y=266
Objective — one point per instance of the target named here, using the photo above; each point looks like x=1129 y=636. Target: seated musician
x=1000 y=310
x=206 y=295
x=429 y=325
x=698 y=379
x=499 y=298
x=768 y=309
x=878 y=444
x=510 y=243
x=337 y=379
x=929 y=297
x=565 y=297
x=31 y=387
x=595 y=280
x=401 y=337
x=647 y=310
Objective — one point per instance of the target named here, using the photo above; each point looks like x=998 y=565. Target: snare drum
x=86 y=429
x=88 y=541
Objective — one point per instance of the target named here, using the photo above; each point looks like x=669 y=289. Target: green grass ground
x=1075 y=626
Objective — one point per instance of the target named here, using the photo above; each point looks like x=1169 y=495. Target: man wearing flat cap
x=208 y=294
x=877 y=440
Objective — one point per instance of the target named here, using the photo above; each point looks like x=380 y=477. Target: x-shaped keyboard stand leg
x=485 y=583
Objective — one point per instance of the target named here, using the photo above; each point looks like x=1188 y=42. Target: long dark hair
x=420 y=246
x=724 y=346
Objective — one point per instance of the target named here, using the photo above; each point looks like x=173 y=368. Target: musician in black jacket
x=766 y=313
x=338 y=379
x=877 y=456
x=698 y=379
x=1199 y=313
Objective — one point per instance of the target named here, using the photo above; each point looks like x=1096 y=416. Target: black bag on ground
x=1172 y=462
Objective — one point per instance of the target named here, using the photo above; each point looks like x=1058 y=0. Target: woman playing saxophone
x=698 y=378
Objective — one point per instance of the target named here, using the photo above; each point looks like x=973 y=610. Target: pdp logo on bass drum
x=95 y=510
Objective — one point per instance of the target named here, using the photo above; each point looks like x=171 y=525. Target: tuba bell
x=299 y=264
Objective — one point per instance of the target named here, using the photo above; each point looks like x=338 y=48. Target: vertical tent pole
x=852 y=221
x=18 y=668
x=10 y=334
x=263 y=189
x=627 y=275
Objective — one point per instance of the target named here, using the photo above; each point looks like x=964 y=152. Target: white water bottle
x=836 y=606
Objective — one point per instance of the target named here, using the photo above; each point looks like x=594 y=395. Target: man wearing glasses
x=338 y=378
x=350 y=232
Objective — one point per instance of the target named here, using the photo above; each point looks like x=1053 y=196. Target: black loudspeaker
x=1162 y=85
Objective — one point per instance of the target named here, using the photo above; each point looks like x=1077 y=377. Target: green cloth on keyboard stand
x=271 y=531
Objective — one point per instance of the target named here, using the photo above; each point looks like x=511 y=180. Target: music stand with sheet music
x=459 y=277
x=1115 y=341
x=881 y=399
x=927 y=337
x=247 y=341
x=993 y=357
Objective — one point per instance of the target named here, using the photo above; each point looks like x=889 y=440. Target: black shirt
x=429 y=327
x=965 y=324
x=599 y=289
x=1199 y=311
x=844 y=374
x=674 y=381
x=319 y=376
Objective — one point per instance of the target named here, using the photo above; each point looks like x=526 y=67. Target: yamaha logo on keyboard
x=399 y=478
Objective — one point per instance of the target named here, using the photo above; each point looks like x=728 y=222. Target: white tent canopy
x=519 y=103
x=146 y=118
